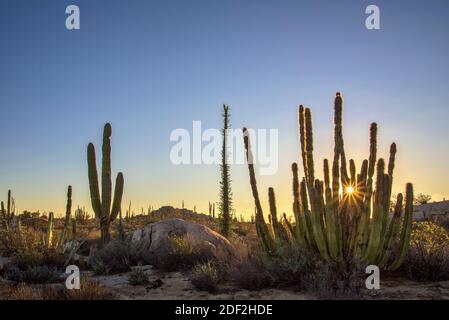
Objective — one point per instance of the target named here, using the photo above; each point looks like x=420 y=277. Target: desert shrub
x=115 y=257
x=90 y=290
x=241 y=229
x=28 y=239
x=38 y=257
x=33 y=274
x=205 y=277
x=22 y=292
x=441 y=220
x=138 y=277
x=336 y=280
x=289 y=264
x=428 y=257
x=292 y=266
x=250 y=273
x=178 y=253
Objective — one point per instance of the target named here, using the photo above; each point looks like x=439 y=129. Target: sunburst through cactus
x=346 y=216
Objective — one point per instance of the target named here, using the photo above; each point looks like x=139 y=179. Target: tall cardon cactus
x=106 y=209
x=346 y=215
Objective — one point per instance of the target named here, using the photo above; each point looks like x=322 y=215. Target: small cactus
x=67 y=219
x=8 y=213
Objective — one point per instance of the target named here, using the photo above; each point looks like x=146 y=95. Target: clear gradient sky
x=149 y=67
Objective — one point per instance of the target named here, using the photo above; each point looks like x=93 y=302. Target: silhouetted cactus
x=343 y=217
x=225 y=183
x=68 y=214
x=48 y=238
x=102 y=207
x=9 y=212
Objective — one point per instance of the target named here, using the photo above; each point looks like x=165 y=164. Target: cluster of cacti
x=7 y=214
x=81 y=214
x=48 y=236
x=102 y=206
x=346 y=216
x=225 y=205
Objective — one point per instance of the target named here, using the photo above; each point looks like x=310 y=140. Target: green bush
x=33 y=274
x=138 y=277
x=115 y=257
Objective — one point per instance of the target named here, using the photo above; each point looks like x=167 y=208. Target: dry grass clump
x=90 y=290
x=250 y=273
x=205 y=277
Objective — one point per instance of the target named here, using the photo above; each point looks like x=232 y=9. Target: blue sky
x=149 y=67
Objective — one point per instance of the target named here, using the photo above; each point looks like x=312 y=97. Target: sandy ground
x=177 y=286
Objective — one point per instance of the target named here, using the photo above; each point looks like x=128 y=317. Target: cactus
x=102 y=206
x=48 y=238
x=74 y=230
x=67 y=219
x=81 y=215
x=8 y=214
x=345 y=216
x=225 y=183
x=121 y=228
x=128 y=212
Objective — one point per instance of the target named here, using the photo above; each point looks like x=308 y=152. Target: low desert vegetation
x=428 y=258
x=206 y=277
x=89 y=290
x=115 y=257
x=138 y=277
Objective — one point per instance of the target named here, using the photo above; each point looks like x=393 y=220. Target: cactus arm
x=392 y=232
x=331 y=229
x=301 y=230
x=118 y=194
x=261 y=226
x=376 y=227
x=93 y=180
x=302 y=136
x=106 y=176
x=49 y=233
x=406 y=228
x=8 y=206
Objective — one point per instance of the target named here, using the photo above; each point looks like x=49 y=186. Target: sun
x=350 y=190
